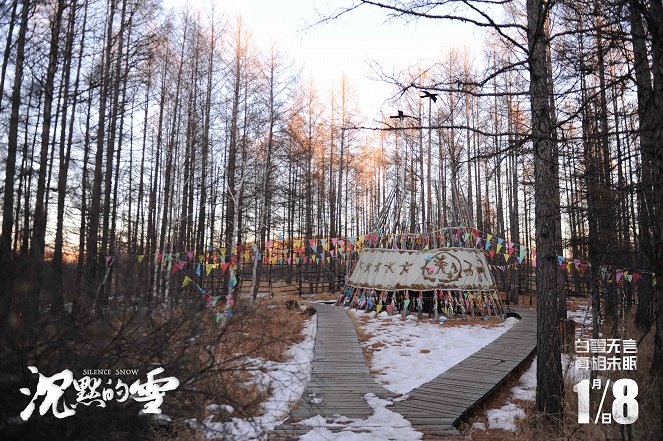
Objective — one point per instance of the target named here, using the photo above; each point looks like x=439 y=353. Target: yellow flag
x=209 y=268
x=140 y=258
x=186 y=281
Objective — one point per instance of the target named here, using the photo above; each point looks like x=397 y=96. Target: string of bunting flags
x=323 y=250
x=316 y=251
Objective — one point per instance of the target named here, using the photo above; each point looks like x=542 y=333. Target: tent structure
x=422 y=270
x=445 y=281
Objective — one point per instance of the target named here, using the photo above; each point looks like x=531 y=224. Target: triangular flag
x=208 y=268
x=140 y=258
x=635 y=276
x=186 y=281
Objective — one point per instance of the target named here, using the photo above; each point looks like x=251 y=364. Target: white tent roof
x=422 y=270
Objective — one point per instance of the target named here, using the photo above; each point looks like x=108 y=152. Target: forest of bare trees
x=129 y=133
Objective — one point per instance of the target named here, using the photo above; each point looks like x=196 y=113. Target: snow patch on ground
x=479 y=426
x=583 y=319
x=408 y=353
x=505 y=417
x=287 y=382
x=382 y=425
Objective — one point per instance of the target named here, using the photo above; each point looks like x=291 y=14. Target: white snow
x=583 y=319
x=382 y=425
x=286 y=381
x=479 y=426
x=217 y=407
x=316 y=421
x=414 y=352
x=504 y=418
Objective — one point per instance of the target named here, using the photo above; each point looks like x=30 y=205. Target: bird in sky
x=427 y=94
x=401 y=116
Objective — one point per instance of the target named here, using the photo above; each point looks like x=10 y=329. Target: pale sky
x=348 y=44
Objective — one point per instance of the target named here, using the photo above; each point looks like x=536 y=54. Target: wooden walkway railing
x=340 y=378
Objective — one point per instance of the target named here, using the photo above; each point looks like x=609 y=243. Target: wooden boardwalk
x=435 y=407
x=340 y=377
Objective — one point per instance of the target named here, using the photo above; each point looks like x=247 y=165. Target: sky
x=348 y=45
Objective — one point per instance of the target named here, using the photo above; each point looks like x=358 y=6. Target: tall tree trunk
x=39 y=224
x=6 y=257
x=57 y=301
x=549 y=393
x=232 y=199
x=91 y=259
x=647 y=119
x=655 y=25
x=8 y=48
x=264 y=208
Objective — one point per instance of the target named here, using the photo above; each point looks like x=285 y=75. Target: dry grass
x=474 y=321
x=264 y=330
x=363 y=337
